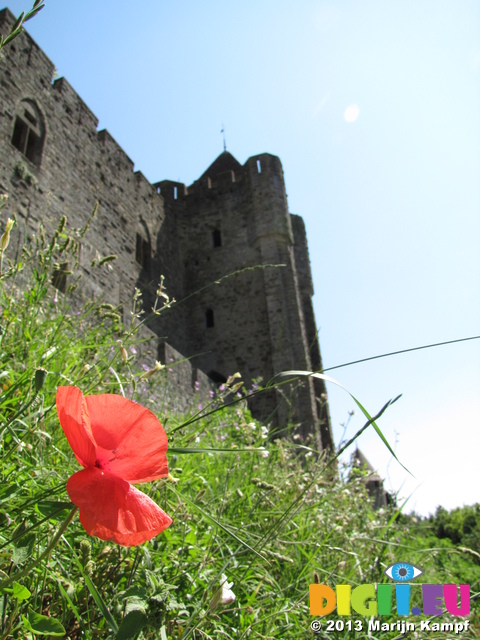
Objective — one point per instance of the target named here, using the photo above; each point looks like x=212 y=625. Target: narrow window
x=259 y=166
x=216 y=238
x=20 y=134
x=139 y=249
x=175 y=193
x=59 y=277
x=28 y=132
x=142 y=252
x=209 y=322
x=161 y=353
x=146 y=255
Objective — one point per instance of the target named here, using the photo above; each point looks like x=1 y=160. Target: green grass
x=272 y=524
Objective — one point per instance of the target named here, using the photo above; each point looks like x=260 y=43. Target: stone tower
x=229 y=249
x=245 y=274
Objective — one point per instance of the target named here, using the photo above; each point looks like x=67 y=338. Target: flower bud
x=158 y=367
x=40 y=375
x=123 y=351
x=5 y=239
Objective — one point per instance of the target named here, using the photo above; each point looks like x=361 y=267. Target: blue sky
x=391 y=200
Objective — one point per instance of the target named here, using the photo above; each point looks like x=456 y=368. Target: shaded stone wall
x=302 y=264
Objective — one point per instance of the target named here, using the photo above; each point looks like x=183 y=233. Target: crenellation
x=225 y=182
x=225 y=247
x=171 y=191
x=27 y=48
x=74 y=105
x=114 y=151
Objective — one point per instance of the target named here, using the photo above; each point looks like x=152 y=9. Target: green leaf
x=20 y=592
x=18 y=21
x=41 y=625
x=136 y=604
x=100 y=602
x=69 y=600
x=132 y=624
x=136 y=591
x=23 y=544
x=23 y=551
x=18 y=532
x=53 y=509
x=7 y=491
x=95 y=594
x=190 y=538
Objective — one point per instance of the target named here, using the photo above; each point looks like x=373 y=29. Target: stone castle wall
x=233 y=220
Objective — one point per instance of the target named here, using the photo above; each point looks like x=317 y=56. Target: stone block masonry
x=231 y=253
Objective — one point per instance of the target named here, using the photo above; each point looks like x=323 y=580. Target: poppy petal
x=73 y=415
x=131 y=442
x=111 y=509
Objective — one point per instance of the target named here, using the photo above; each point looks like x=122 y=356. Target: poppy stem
x=46 y=552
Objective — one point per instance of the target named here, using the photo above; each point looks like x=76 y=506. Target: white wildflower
x=158 y=367
x=224 y=595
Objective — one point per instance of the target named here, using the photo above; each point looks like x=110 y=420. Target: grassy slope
x=272 y=524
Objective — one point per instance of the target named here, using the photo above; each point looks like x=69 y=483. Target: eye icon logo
x=403 y=572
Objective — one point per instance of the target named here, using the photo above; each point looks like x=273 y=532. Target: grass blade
x=216 y=523
x=322 y=376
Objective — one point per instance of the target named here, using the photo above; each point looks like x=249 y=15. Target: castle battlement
x=171 y=191
x=75 y=107
x=114 y=152
x=227 y=245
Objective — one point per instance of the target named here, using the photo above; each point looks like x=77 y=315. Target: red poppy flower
x=118 y=442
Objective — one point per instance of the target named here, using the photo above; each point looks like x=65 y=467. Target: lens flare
x=351 y=113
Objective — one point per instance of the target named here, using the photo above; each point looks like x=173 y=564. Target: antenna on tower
x=224 y=141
